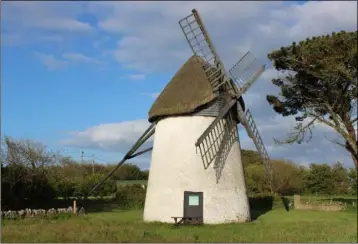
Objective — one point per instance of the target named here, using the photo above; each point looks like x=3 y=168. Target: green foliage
x=128 y=172
x=320 y=179
x=286 y=178
x=65 y=188
x=353 y=181
x=250 y=157
x=145 y=175
x=319 y=83
x=340 y=178
x=51 y=177
x=130 y=196
x=254 y=175
x=286 y=175
x=323 y=66
x=85 y=183
x=19 y=184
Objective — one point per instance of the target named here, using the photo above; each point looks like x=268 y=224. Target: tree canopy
x=319 y=85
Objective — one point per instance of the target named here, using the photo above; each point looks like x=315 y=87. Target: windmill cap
x=185 y=92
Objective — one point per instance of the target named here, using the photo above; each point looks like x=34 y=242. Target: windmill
x=196 y=170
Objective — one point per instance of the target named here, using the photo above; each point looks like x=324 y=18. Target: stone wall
x=321 y=207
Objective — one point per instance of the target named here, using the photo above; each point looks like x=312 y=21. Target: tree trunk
x=355 y=160
x=351 y=144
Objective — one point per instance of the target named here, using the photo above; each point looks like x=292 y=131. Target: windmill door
x=193 y=207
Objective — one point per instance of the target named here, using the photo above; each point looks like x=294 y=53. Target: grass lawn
x=127 y=226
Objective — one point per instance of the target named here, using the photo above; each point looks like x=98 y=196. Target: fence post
x=74 y=206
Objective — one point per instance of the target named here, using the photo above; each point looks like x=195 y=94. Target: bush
x=108 y=188
x=65 y=188
x=84 y=185
x=130 y=196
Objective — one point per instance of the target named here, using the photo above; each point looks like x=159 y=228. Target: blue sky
x=83 y=75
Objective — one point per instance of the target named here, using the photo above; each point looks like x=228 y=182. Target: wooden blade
x=229 y=138
x=202 y=46
x=245 y=72
x=209 y=142
x=248 y=121
x=130 y=154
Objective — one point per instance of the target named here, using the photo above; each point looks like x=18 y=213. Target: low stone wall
x=31 y=213
x=321 y=207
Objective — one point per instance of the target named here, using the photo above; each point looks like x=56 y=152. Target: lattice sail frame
x=246 y=71
x=202 y=47
x=210 y=141
x=252 y=131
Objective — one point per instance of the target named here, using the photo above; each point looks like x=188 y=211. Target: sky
x=81 y=76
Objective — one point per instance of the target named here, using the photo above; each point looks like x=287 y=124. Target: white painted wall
x=177 y=167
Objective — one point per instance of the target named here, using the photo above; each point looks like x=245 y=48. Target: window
x=194 y=200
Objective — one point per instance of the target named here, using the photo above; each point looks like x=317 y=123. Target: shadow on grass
x=260 y=205
x=286 y=203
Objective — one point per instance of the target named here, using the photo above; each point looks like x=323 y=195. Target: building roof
x=185 y=92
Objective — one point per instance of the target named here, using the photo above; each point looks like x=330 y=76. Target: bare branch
x=298 y=134
x=337 y=142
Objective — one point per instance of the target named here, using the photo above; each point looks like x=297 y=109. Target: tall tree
x=319 y=85
x=340 y=177
x=286 y=178
x=320 y=179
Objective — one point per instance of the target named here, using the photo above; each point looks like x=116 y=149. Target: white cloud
x=155 y=94
x=101 y=41
x=117 y=137
x=45 y=15
x=152 y=40
x=58 y=63
x=133 y=77
x=137 y=77
x=79 y=57
x=51 y=62
x=152 y=95
x=327 y=17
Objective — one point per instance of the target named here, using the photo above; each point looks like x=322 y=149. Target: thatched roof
x=187 y=90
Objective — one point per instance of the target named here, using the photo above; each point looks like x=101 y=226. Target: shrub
x=65 y=188
x=130 y=196
x=85 y=184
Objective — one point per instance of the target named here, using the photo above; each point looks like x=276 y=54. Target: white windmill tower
x=196 y=170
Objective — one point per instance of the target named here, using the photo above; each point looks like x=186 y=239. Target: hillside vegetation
x=30 y=172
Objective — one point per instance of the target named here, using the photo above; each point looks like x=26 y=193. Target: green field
x=127 y=226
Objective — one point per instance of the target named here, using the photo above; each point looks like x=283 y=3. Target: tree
x=340 y=177
x=320 y=179
x=255 y=178
x=24 y=175
x=145 y=175
x=319 y=85
x=353 y=180
x=286 y=178
x=127 y=172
